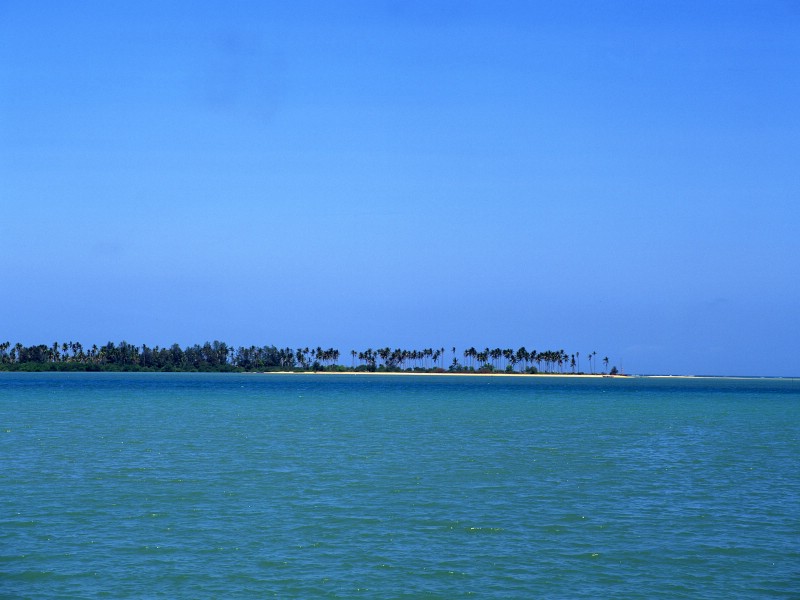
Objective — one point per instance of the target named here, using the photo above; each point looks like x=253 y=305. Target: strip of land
x=441 y=374
x=220 y=357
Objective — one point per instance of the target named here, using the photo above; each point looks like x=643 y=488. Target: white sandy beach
x=446 y=374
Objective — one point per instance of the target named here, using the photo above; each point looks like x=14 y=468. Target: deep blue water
x=302 y=486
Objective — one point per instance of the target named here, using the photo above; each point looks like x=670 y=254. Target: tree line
x=221 y=357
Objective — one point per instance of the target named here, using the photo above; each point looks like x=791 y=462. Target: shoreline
x=528 y=375
x=446 y=374
x=417 y=374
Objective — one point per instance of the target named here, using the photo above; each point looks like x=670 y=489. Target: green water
x=302 y=486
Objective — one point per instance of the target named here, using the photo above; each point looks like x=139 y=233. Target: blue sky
x=611 y=176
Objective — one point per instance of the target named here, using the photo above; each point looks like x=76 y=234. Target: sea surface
x=120 y=485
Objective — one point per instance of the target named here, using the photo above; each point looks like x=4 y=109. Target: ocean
x=157 y=485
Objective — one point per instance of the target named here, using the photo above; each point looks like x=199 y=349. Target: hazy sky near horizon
x=619 y=177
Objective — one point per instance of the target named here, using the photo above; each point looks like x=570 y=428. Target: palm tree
x=591 y=359
x=384 y=354
x=523 y=356
x=605 y=362
x=369 y=356
x=507 y=355
x=469 y=353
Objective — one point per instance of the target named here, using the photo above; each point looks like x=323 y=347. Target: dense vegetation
x=220 y=357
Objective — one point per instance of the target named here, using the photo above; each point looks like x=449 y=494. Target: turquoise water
x=302 y=486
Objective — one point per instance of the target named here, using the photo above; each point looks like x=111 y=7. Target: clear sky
x=619 y=177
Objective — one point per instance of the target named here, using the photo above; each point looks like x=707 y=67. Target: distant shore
x=221 y=357
x=424 y=374
x=445 y=374
x=524 y=375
